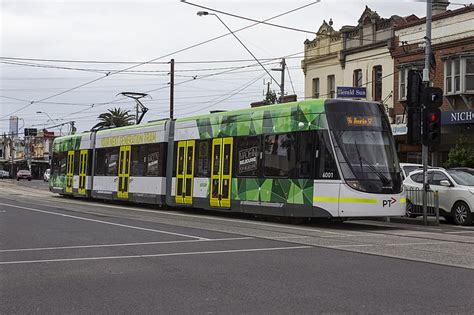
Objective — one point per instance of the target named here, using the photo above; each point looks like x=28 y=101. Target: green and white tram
x=315 y=158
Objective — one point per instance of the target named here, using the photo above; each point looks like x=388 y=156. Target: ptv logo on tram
x=388 y=202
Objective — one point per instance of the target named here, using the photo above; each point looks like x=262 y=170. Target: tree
x=115 y=117
x=460 y=156
x=270 y=98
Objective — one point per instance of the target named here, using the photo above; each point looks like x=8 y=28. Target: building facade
x=354 y=57
x=452 y=69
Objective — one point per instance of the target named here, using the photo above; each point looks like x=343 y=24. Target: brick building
x=452 y=69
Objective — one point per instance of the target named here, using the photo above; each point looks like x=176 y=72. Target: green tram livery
x=315 y=158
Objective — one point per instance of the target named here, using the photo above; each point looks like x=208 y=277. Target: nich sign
x=458 y=117
x=351 y=92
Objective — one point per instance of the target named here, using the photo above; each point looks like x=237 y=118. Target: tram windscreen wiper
x=379 y=174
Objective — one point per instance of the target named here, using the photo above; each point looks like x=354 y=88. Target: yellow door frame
x=69 y=171
x=124 y=172
x=84 y=154
x=185 y=156
x=221 y=174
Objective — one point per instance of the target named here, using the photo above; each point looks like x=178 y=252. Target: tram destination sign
x=362 y=121
x=351 y=92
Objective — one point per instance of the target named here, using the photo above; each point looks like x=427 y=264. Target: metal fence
x=415 y=203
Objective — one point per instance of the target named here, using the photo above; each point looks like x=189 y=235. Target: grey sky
x=143 y=30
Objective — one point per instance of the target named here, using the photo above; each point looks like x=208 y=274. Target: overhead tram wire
x=161 y=57
x=249 y=19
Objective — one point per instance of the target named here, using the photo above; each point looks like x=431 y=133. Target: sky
x=82 y=44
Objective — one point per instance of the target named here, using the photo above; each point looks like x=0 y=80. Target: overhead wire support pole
x=202 y=13
x=172 y=89
x=426 y=82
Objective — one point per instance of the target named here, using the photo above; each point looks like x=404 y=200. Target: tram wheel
x=409 y=210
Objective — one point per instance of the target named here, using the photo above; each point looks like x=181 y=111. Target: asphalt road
x=59 y=255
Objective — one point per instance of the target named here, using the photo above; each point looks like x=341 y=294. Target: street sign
x=30 y=132
x=432 y=97
x=351 y=92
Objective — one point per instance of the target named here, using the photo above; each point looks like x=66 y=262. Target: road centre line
x=122 y=244
x=460 y=232
x=154 y=255
x=104 y=222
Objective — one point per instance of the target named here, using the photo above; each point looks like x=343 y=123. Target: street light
x=40 y=112
x=203 y=13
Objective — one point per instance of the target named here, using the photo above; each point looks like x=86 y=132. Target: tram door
x=124 y=172
x=221 y=172
x=69 y=171
x=185 y=172
x=83 y=157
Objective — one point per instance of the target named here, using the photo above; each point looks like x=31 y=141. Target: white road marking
x=123 y=244
x=419 y=243
x=153 y=255
x=97 y=203
x=105 y=222
x=460 y=232
x=349 y=245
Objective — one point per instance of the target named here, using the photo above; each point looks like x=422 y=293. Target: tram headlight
x=356 y=185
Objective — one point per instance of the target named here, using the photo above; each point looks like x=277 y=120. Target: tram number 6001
x=328 y=175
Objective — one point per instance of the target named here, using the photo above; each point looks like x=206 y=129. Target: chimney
x=439 y=6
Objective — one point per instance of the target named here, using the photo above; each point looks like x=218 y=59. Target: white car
x=407 y=168
x=47 y=175
x=455 y=189
x=4 y=174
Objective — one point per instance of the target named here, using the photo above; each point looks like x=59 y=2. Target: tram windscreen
x=364 y=146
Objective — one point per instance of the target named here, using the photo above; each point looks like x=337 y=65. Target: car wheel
x=409 y=210
x=462 y=214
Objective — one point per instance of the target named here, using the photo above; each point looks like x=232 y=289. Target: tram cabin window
x=100 y=162
x=248 y=156
x=203 y=157
x=138 y=163
x=305 y=155
x=326 y=167
x=153 y=160
x=280 y=155
x=112 y=159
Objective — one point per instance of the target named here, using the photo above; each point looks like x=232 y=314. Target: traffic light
x=431 y=126
x=413 y=104
x=432 y=98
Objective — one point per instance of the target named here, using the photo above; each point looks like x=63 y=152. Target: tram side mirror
x=445 y=183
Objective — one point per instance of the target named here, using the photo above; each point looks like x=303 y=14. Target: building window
x=469 y=77
x=402 y=86
x=377 y=83
x=331 y=86
x=459 y=75
x=316 y=88
x=357 y=78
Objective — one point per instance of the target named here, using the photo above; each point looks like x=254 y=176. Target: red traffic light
x=433 y=117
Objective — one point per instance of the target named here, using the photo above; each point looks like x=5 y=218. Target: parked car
x=47 y=175
x=407 y=168
x=23 y=174
x=455 y=190
x=464 y=169
x=4 y=174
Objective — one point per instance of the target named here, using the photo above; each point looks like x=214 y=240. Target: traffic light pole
x=426 y=82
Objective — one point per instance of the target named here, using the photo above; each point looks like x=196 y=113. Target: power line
x=249 y=19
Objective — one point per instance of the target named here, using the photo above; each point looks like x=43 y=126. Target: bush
x=460 y=156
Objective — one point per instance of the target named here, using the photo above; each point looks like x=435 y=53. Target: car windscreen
x=462 y=178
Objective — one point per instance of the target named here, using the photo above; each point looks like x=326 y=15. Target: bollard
x=436 y=206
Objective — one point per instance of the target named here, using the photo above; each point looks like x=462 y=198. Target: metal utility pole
x=426 y=82
x=172 y=89
x=282 y=80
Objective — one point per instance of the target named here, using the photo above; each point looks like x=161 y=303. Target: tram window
x=326 y=167
x=248 y=155
x=203 y=158
x=280 y=155
x=100 y=162
x=112 y=159
x=153 y=160
x=63 y=164
x=305 y=155
x=55 y=163
x=89 y=163
x=77 y=155
x=138 y=162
